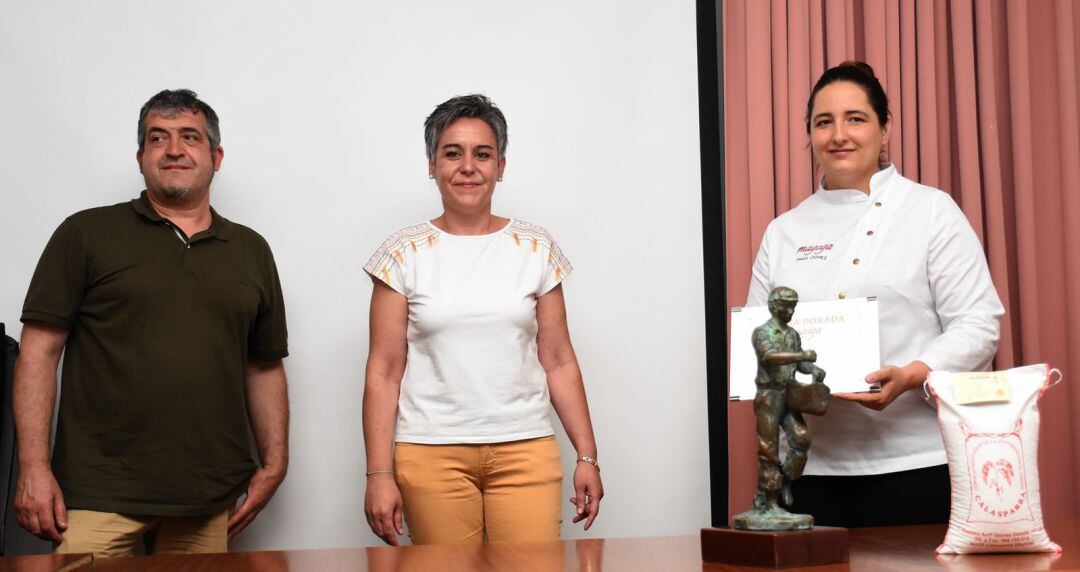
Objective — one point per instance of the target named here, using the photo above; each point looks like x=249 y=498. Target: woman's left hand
x=894 y=381
x=589 y=491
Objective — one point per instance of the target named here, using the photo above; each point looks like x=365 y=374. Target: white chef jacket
x=911 y=246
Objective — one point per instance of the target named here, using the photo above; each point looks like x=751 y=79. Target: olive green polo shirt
x=160 y=327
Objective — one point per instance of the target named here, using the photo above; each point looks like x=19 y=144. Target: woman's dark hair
x=860 y=74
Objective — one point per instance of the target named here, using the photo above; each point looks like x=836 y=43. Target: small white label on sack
x=981 y=387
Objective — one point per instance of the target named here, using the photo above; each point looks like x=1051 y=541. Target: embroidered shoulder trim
x=394 y=248
x=534 y=238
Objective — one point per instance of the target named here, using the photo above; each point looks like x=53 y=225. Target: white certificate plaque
x=844 y=333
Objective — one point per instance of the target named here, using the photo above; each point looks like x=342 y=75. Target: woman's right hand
x=383 y=507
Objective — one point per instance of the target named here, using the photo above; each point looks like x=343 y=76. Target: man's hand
x=261 y=488
x=39 y=504
x=268 y=411
x=383 y=507
x=811 y=355
x=894 y=382
x=589 y=491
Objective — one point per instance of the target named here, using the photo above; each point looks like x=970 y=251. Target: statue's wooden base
x=780 y=549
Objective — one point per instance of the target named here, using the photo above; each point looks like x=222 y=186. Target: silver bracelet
x=589 y=460
x=386 y=471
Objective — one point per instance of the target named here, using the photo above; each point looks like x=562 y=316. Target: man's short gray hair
x=169 y=102
x=474 y=105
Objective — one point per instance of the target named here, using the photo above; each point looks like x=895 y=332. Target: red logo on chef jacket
x=813 y=252
x=998 y=485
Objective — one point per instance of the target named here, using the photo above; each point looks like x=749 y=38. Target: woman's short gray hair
x=474 y=105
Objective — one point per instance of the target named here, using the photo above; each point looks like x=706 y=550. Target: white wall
x=321 y=107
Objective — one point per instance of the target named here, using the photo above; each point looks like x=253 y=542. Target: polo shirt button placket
x=189 y=263
x=187 y=267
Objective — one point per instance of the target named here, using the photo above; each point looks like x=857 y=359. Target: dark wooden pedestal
x=782 y=549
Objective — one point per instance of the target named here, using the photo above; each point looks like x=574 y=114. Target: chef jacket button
x=877 y=204
x=842 y=296
x=869 y=233
x=855 y=262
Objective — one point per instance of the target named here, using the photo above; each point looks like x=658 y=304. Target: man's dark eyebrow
x=184 y=130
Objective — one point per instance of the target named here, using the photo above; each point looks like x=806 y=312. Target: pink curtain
x=985 y=105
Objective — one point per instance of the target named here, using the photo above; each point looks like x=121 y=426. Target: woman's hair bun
x=861 y=66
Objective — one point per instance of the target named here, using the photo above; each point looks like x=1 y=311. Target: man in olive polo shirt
x=172 y=327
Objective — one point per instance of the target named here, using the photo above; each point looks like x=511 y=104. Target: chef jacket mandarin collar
x=878 y=183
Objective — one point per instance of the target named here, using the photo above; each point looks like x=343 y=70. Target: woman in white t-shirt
x=469 y=347
x=877 y=458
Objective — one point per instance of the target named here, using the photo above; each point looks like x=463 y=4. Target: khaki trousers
x=498 y=492
x=108 y=534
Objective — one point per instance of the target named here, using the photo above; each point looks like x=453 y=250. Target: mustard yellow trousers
x=498 y=492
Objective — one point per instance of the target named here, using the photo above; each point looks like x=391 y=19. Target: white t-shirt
x=473 y=375
x=912 y=247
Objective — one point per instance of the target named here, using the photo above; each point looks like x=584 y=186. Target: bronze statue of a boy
x=780 y=402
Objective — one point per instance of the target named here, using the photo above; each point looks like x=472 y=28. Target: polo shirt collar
x=220 y=227
x=878 y=184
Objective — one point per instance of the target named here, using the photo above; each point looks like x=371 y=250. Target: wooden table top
x=45 y=563
x=890 y=548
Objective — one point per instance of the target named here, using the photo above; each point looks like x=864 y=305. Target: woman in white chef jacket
x=877 y=458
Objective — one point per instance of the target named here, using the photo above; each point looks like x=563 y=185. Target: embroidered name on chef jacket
x=813 y=252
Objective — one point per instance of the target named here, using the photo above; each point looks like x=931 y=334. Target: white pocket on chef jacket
x=990 y=424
